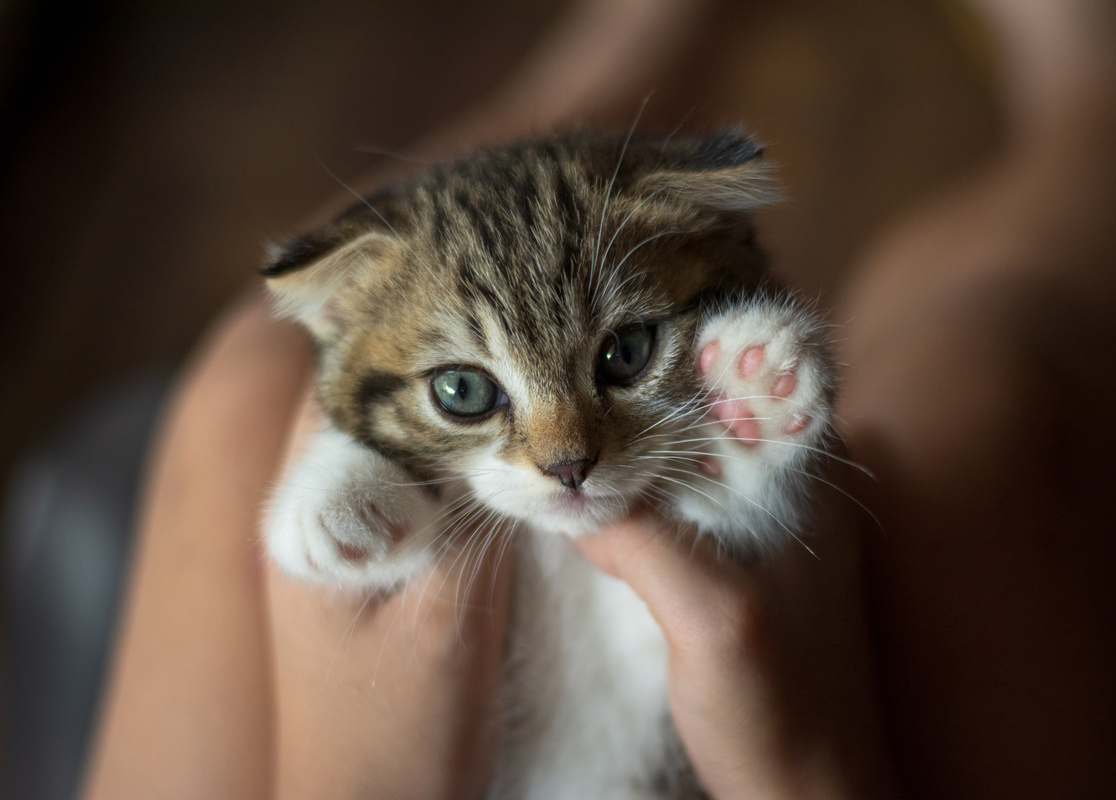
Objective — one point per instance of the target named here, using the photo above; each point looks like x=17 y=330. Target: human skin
x=771 y=685
x=234 y=681
x=189 y=711
x=389 y=695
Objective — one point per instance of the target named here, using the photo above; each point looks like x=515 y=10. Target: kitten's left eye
x=625 y=353
x=464 y=393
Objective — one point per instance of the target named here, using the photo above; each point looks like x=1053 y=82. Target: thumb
x=690 y=586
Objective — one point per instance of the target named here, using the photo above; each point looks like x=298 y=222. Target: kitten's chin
x=576 y=515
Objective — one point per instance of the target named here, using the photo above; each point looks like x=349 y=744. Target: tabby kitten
x=549 y=333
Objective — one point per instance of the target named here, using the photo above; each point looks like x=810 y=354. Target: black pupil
x=625 y=353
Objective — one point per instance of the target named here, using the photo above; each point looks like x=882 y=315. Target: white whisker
x=594 y=263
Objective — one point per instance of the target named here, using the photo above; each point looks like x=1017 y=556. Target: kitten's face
x=517 y=322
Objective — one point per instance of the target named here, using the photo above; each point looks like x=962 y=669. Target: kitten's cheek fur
x=345 y=515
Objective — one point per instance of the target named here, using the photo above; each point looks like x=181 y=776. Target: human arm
x=232 y=681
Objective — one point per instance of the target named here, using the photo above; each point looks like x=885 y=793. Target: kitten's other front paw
x=345 y=515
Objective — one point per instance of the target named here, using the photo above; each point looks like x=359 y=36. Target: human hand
x=770 y=680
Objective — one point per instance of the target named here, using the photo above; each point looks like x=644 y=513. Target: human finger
x=771 y=686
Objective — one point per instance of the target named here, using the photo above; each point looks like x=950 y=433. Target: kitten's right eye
x=625 y=353
x=464 y=393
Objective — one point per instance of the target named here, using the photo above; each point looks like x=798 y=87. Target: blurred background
x=150 y=148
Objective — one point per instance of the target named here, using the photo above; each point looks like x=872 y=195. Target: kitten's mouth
x=555 y=509
x=583 y=509
x=574 y=504
x=572 y=513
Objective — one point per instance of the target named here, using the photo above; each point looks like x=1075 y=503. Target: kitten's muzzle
x=570 y=474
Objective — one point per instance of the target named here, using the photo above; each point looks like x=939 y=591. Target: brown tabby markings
x=523 y=258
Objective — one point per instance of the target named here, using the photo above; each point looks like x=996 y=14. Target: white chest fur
x=586 y=701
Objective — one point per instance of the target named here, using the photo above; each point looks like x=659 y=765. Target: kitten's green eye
x=625 y=353
x=464 y=393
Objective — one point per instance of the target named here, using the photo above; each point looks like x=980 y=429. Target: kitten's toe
x=363 y=534
x=353 y=530
x=333 y=538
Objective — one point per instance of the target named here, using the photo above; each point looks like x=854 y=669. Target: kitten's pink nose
x=570 y=474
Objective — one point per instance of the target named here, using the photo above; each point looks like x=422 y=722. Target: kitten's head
x=525 y=318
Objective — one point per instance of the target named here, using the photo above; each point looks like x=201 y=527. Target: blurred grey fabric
x=67 y=527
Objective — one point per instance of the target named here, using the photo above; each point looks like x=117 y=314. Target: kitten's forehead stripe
x=568 y=209
x=479 y=340
x=482 y=224
x=440 y=222
x=525 y=197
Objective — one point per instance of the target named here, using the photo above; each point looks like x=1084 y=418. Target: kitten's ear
x=307 y=275
x=721 y=172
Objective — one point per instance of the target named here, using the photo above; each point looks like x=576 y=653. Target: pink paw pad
x=740 y=422
x=784 y=384
x=750 y=359
x=796 y=423
x=351 y=551
x=763 y=390
x=708 y=357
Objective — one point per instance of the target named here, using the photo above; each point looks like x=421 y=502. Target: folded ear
x=721 y=172
x=307 y=276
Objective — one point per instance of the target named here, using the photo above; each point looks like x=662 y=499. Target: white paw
x=769 y=382
x=768 y=378
x=345 y=515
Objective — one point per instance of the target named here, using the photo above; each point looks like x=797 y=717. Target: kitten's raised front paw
x=768 y=386
x=768 y=378
x=344 y=514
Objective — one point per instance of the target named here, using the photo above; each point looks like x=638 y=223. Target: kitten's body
x=547 y=334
